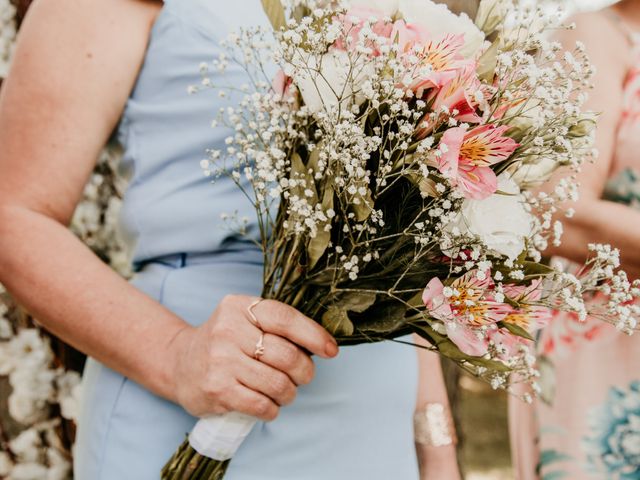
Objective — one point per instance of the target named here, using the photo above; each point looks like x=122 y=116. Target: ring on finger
x=259 y=351
x=252 y=316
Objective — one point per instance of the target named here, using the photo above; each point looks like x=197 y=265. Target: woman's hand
x=216 y=370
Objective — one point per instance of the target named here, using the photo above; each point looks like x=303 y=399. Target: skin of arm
x=58 y=107
x=597 y=220
x=436 y=463
x=75 y=64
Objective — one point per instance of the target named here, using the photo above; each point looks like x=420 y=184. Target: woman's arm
x=598 y=220
x=62 y=99
x=436 y=462
x=75 y=65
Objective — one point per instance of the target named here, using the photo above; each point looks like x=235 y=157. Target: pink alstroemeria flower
x=529 y=316
x=441 y=63
x=355 y=19
x=507 y=344
x=465 y=308
x=408 y=35
x=281 y=85
x=457 y=97
x=466 y=157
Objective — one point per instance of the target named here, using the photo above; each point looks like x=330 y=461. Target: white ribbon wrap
x=219 y=437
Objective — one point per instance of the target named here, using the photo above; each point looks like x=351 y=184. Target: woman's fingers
x=246 y=400
x=266 y=380
x=216 y=370
x=282 y=355
x=285 y=321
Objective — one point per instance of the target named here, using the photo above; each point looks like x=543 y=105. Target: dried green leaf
x=336 y=321
x=385 y=317
x=364 y=206
x=416 y=300
x=356 y=301
x=297 y=167
x=318 y=245
x=299 y=171
x=535 y=268
x=428 y=188
x=517 y=330
x=450 y=350
x=488 y=62
x=491 y=14
x=275 y=13
x=314 y=156
x=300 y=12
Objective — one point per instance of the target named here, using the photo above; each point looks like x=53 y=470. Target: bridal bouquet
x=391 y=161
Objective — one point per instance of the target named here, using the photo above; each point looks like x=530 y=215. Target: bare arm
x=435 y=462
x=75 y=64
x=598 y=220
x=62 y=99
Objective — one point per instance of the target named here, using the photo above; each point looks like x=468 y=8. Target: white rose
x=333 y=81
x=439 y=21
x=500 y=222
x=533 y=174
x=387 y=7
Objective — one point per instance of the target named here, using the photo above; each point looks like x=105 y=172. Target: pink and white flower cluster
x=477 y=314
x=398 y=127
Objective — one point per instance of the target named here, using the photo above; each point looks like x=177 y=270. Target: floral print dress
x=586 y=423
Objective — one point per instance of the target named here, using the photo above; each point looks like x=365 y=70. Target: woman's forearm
x=602 y=221
x=434 y=461
x=81 y=300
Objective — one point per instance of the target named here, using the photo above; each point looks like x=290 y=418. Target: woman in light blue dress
x=353 y=421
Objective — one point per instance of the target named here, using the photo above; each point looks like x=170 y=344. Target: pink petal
x=448 y=161
x=279 y=83
x=435 y=301
x=477 y=183
x=466 y=339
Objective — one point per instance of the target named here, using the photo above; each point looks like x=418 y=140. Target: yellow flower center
x=468 y=304
x=520 y=318
x=476 y=151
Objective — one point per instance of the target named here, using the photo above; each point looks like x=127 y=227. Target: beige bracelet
x=433 y=426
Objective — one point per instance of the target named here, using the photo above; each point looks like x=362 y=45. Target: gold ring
x=252 y=316
x=259 y=347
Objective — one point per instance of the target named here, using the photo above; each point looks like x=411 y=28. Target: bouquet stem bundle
x=187 y=464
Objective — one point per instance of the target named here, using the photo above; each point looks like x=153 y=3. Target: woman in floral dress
x=586 y=423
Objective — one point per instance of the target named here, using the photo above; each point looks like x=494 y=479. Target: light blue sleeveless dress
x=354 y=421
